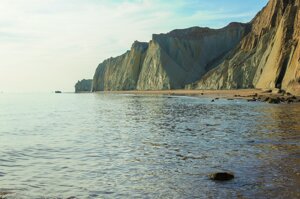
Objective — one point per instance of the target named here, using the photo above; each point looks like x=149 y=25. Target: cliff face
x=121 y=73
x=84 y=85
x=262 y=54
x=169 y=61
x=268 y=57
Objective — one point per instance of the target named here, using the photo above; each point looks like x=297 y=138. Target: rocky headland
x=262 y=54
x=84 y=85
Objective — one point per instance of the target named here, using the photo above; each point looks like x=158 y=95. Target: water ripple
x=134 y=146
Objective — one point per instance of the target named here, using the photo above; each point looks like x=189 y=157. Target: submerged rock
x=221 y=176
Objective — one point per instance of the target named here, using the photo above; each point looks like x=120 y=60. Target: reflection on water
x=126 y=146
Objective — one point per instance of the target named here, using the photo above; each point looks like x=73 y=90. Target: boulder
x=274 y=100
x=221 y=176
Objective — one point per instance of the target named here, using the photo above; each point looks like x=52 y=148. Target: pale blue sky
x=47 y=45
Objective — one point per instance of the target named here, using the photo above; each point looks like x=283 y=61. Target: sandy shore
x=247 y=94
x=242 y=93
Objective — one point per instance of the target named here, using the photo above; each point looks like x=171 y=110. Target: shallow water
x=134 y=146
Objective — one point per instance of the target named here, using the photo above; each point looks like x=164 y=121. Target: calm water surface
x=134 y=146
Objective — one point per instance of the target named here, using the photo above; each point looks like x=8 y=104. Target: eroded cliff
x=121 y=73
x=268 y=57
x=169 y=61
x=264 y=53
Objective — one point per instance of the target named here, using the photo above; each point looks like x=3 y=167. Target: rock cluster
x=281 y=97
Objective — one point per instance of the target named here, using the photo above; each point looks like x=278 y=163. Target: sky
x=48 y=45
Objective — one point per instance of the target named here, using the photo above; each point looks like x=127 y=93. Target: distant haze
x=48 y=45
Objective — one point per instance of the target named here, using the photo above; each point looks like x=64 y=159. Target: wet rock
x=291 y=99
x=213 y=100
x=288 y=94
x=3 y=194
x=252 y=100
x=265 y=99
x=221 y=176
x=274 y=100
x=230 y=99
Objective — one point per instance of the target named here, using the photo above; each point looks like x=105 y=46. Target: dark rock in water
x=230 y=99
x=294 y=97
x=217 y=98
x=252 y=100
x=3 y=194
x=213 y=100
x=58 y=92
x=274 y=100
x=265 y=99
x=221 y=176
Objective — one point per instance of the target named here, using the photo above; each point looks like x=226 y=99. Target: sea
x=101 y=145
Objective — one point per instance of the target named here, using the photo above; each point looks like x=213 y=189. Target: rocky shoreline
x=251 y=95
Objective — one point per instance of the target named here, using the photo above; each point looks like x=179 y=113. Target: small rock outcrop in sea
x=221 y=176
x=58 y=92
x=84 y=85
